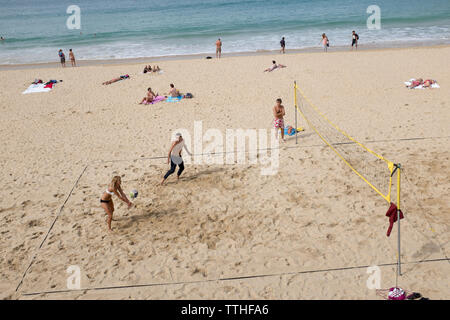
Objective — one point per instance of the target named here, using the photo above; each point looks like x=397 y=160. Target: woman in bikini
x=106 y=199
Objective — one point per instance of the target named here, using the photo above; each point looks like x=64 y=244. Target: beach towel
x=434 y=85
x=173 y=99
x=392 y=214
x=40 y=87
x=157 y=99
x=293 y=131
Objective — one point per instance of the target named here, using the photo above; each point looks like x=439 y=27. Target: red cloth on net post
x=392 y=214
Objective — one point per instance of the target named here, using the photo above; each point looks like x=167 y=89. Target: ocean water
x=35 y=30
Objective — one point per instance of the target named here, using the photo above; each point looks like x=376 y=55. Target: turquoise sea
x=113 y=29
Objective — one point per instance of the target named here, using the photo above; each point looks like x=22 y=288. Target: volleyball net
x=381 y=174
x=374 y=169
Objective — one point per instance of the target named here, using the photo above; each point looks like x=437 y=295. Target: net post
x=295 y=106
x=398 y=219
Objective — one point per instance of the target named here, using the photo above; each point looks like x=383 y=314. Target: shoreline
x=121 y=61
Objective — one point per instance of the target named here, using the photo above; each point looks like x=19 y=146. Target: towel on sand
x=157 y=99
x=434 y=85
x=293 y=131
x=40 y=87
x=174 y=99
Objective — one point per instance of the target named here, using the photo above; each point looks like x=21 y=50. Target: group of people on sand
x=62 y=58
x=173 y=92
x=150 y=69
x=174 y=158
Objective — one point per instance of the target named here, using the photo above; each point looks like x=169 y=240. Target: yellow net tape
x=352 y=152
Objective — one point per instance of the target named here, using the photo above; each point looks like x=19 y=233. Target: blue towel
x=173 y=99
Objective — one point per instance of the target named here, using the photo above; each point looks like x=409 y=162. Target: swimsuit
x=107 y=201
x=278 y=123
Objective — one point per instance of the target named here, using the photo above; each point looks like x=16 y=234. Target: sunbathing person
x=428 y=83
x=116 y=79
x=147 y=69
x=173 y=91
x=149 y=98
x=156 y=69
x=274 y=66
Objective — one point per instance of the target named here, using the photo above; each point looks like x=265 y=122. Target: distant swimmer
x=174 y=158
x=274 y=66
x=218 y=48
x=283 y=45
x=355 y=39
x=106 y=199
x=325 y=42
x=279 y=113
x=62 y=58
x=2 y=39
x=72 y=58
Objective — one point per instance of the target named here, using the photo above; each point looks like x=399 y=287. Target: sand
x=223 y=231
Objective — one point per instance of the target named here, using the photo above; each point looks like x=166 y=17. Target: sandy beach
x=223 y=231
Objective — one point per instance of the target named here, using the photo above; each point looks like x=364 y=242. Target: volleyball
x=133 y=193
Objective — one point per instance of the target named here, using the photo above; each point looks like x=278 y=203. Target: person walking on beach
x=325 y=42
x=62 y=58
x=283 y=45
x=106 y=199
x=72 y=58
x=174 y=157
x=355 y=39
x=279 y=113
x=218 y=48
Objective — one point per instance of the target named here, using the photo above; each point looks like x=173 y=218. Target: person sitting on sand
x=173 y=91
x=106 y=199
x=116 y=79
x=156 y=69
x=278 y=113
x=174 y=157
x=147 y=69
x=149 y=98
x=274 y=66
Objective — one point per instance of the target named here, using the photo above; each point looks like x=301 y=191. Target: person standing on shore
x=325 y=42
x=355 y=39
x=72 y=58
x=283 y=45
x=279 y=113
x=218 y=48
x=62 y=58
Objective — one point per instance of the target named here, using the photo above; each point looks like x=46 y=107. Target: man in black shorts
x=355 y=39
x=283 y=45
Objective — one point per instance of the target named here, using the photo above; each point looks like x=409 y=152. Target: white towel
x=36 y=88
